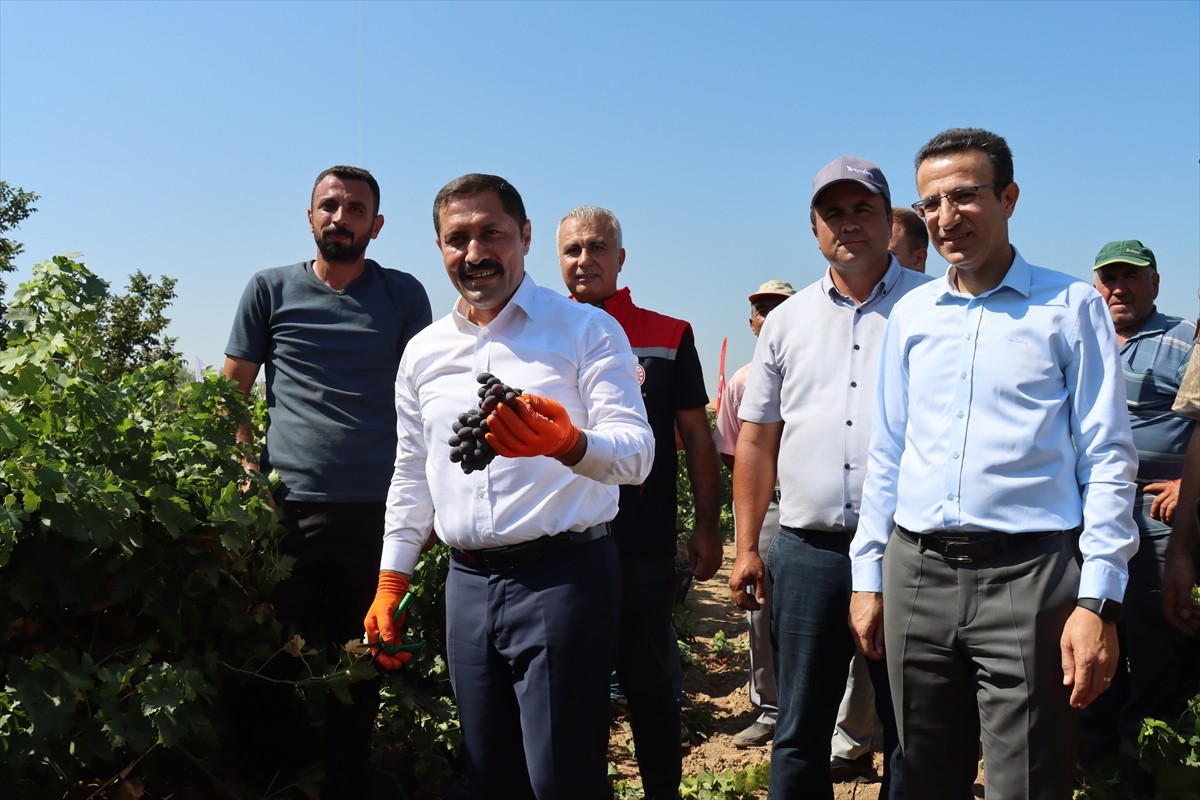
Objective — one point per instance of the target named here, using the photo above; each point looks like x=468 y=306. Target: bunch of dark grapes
x=468 y=448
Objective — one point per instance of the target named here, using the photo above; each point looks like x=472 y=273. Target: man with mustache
x=591 y=255
x=1000 y=430
x=330 y=332
x=806 y=419
x=1160 y=662
x=531 y=597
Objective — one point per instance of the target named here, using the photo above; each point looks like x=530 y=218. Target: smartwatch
x=1107 y=610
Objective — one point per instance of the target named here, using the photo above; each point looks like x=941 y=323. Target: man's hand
x=1163 y=506
x=1089 y=656
x=866 y=621
x=1178 y=577
x=748 y=571
x=379 y=624
x=705 y=554
x=533 y=426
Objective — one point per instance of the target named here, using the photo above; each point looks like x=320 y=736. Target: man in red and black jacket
x=591 y=255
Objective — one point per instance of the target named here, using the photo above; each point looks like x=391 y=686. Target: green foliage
x=418 y=723
x=16 y=205
x=1164 y=765
x=132 y=326
x=132 y=562
x=685 y=517
x=743 y=784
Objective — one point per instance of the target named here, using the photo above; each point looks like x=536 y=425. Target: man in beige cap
x=762 y=676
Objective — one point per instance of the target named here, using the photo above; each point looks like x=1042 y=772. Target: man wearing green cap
x=1159 y=660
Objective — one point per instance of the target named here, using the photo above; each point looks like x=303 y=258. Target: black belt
x=965 y=549
x=503 y=559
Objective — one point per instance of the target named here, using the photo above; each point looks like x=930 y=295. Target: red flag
x=721 y=374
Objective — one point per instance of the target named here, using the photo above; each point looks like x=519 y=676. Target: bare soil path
x=716 y=690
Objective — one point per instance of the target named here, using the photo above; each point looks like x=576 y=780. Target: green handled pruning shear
x=411 y=647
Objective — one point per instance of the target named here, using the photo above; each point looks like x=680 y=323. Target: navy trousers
x=529 y=653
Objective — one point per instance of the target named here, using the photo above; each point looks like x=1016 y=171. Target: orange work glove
x=537 y=426
x=380 y=626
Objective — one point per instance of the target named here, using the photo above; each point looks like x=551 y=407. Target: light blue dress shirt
x=1003 y=412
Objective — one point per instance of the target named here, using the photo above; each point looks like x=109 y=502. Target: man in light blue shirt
x=1000 y=429
x=1162 y=662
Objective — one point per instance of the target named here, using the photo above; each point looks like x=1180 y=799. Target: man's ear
x=1008 y=198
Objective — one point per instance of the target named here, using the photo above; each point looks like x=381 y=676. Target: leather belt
x=509 y=557
x=966 y=549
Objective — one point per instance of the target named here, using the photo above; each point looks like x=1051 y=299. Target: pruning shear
x=411 y=647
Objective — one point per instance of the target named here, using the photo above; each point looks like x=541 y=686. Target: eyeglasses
x=962 y=197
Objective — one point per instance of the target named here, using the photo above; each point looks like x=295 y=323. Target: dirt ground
x=716 y=685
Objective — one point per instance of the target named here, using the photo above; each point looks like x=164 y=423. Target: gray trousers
x=763 y=694
x=975 y=647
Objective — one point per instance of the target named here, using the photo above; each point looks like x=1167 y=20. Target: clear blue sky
x=182 y=138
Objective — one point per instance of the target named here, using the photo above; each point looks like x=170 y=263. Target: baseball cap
x=851 y=168
x=781 y=288
x=1125 y=251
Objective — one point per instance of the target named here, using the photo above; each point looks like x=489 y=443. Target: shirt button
x=848 y=423
x=856 y=347
x=847 y=505
x=960 y=415
x=853 y=384
x=956 y=455
x=963 y=376
x=480 y=493
x=950 y=497
x=847 y=466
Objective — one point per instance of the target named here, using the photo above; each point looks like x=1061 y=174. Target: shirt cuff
x=866 y=575
x=1098 y=579
x=400 y=555
x=597 y=459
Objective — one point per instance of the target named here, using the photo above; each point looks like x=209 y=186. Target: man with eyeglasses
x=762 y=676
x=1154 y=356
x=1000 y=432
x=806 y=419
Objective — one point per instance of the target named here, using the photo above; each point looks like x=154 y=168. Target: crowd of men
x=969 y=480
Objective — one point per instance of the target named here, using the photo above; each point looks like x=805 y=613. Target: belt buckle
x=961 y=558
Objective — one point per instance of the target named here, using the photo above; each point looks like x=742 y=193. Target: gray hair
x=595 y=214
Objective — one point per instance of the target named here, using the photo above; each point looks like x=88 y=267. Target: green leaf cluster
x=685 y=513
x=729 y=784
x=418 y=730
x=132 y=564
x=1164 y=764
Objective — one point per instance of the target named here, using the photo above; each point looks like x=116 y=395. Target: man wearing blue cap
x=806 y=418
x=1159 y=660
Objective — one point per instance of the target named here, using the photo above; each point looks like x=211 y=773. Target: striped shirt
x=1154 y=360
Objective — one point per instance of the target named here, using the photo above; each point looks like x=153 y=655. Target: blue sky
x=182 y=138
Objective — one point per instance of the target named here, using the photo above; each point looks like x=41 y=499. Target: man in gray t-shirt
x=330 y=333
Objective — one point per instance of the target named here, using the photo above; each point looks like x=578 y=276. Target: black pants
x=337 y=548
x=645 y=648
